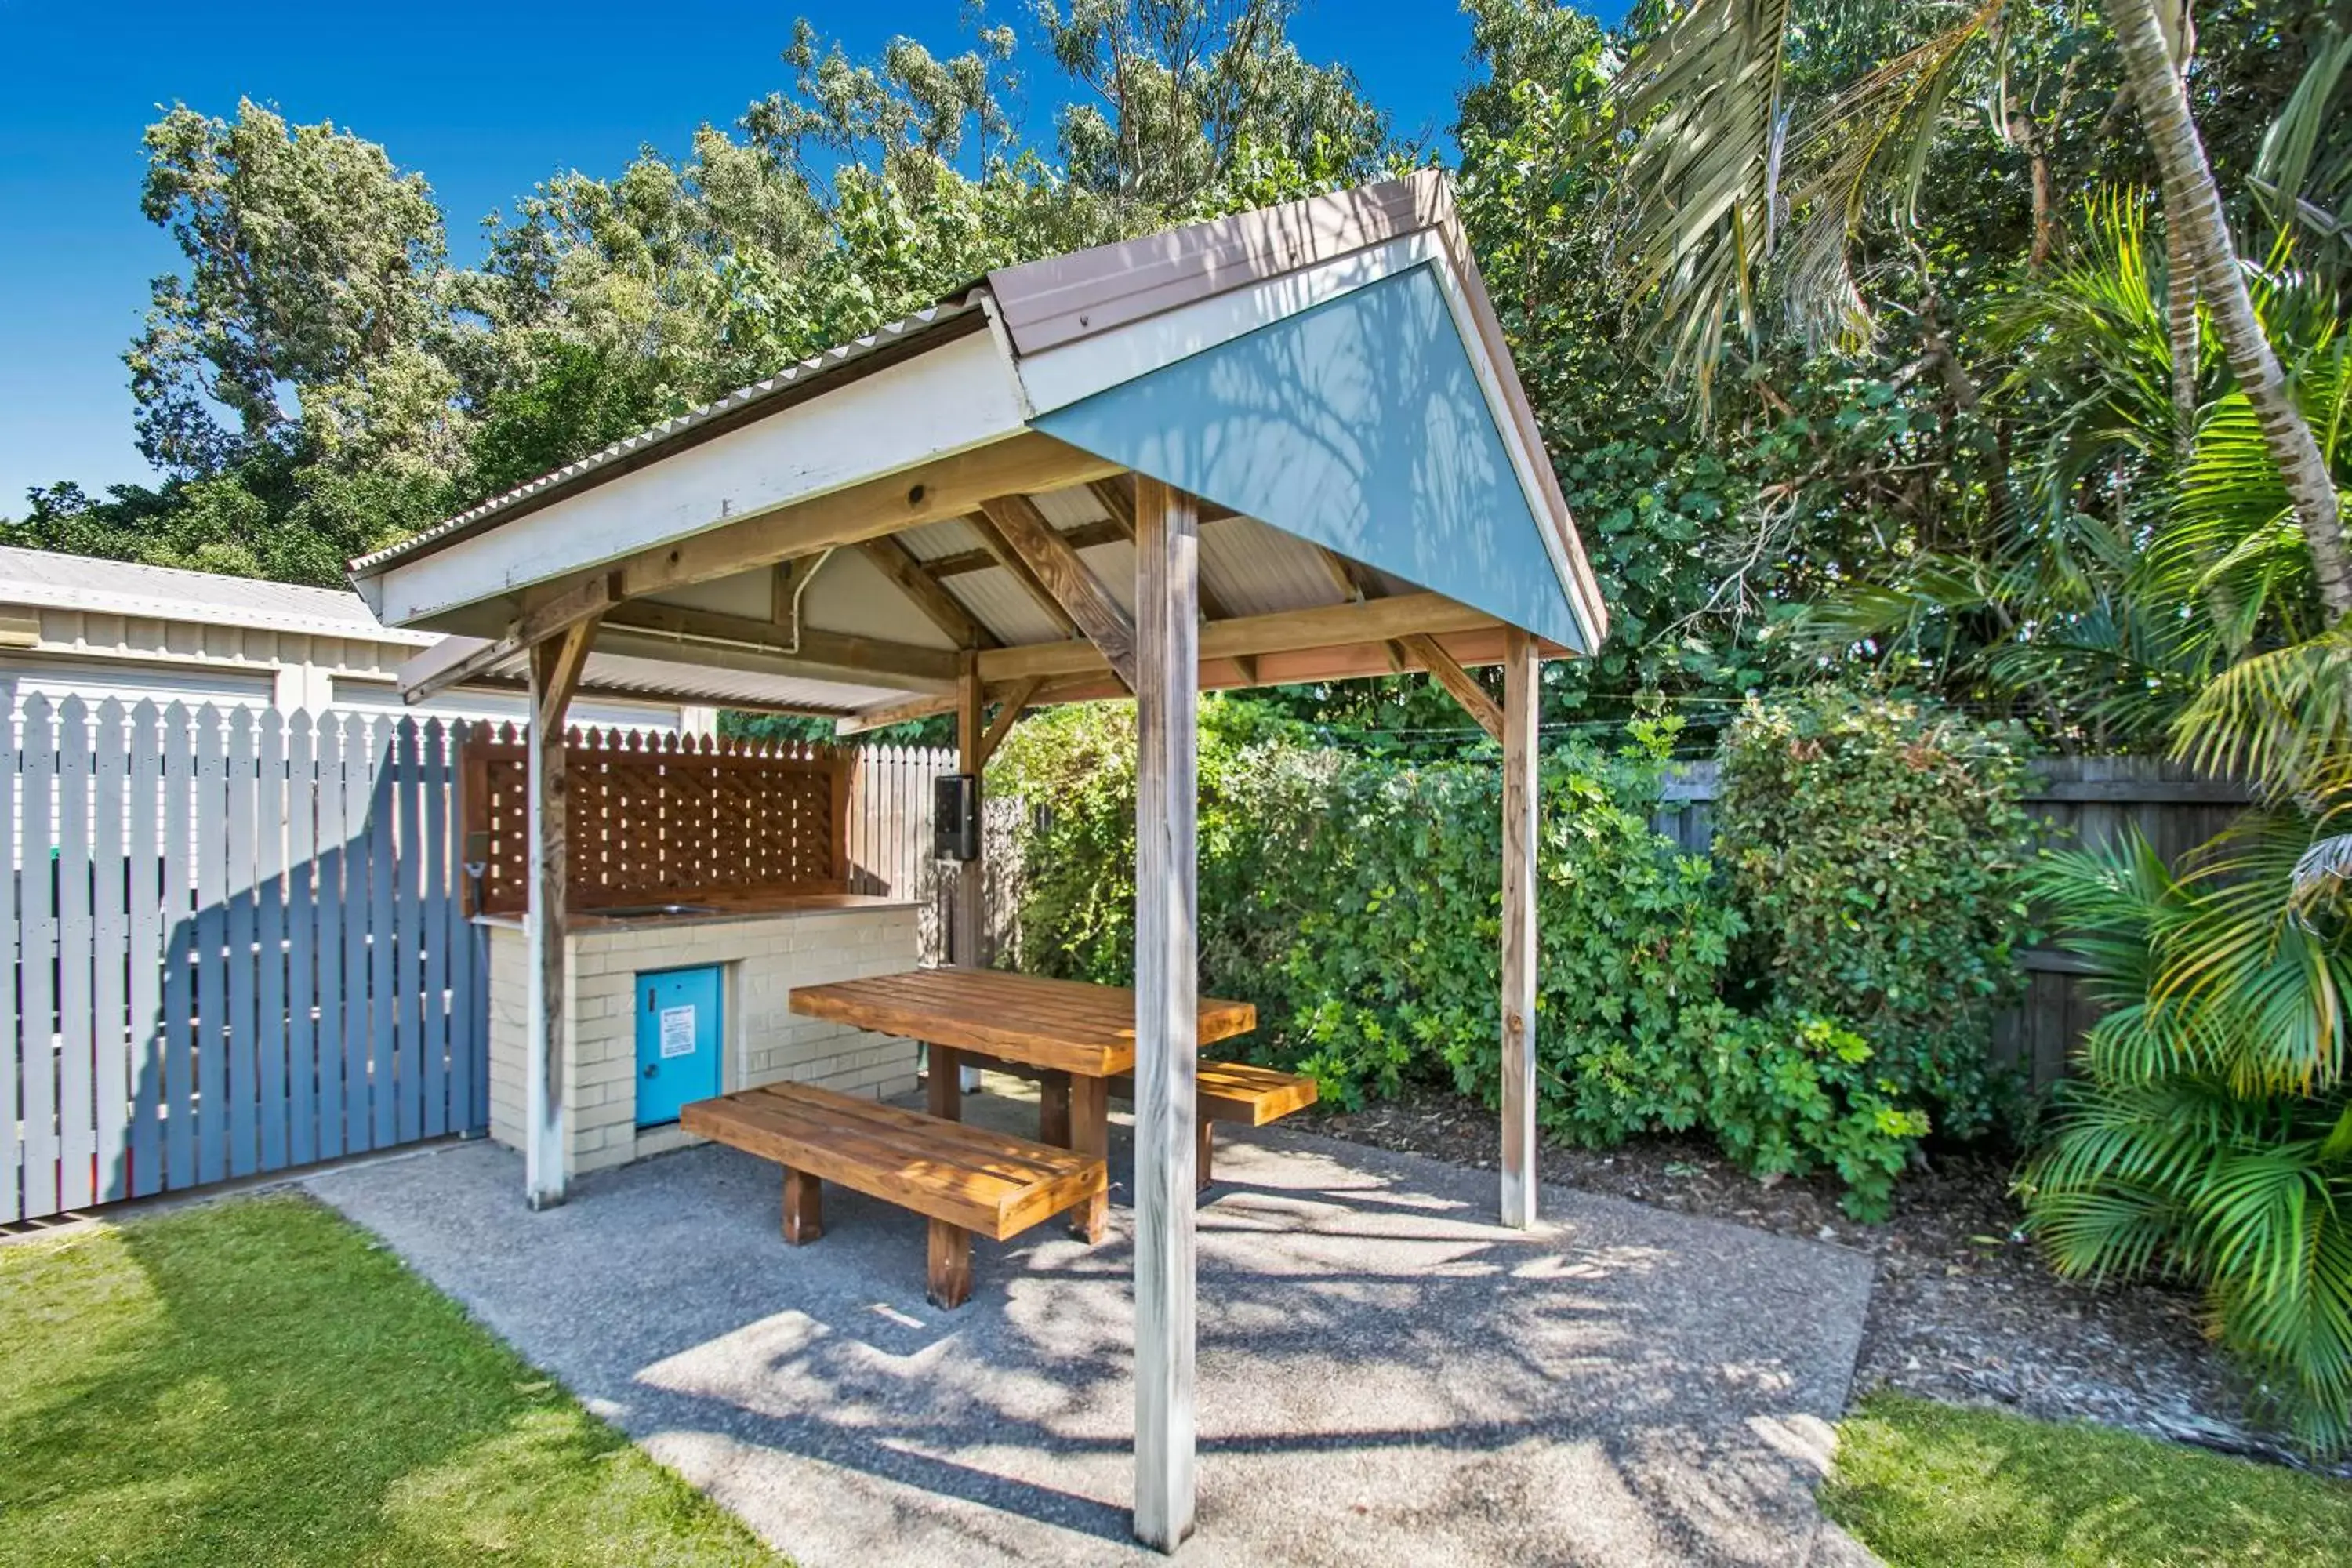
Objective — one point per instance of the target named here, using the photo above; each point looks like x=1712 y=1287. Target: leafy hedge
x=1878 y=850
x=1355 y=898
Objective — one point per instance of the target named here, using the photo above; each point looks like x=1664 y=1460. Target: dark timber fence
x=236 y=948
x=2083 y=802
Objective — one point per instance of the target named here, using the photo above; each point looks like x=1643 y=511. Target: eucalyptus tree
x=1746 y=183
x=1172 y=92
x=311 y=262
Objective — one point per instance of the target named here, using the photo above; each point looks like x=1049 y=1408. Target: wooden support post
x=1519 y=791
x=1054 y=1108
x=950 y=1271
x=966 y=939
x=943 y=1082
x=1089 y=1122
x=1167 y=1021
x=555 y=666
x=803 y=1207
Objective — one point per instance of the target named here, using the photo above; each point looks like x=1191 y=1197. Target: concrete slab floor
x=1385 y=1376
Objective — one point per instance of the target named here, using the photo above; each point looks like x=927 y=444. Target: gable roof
x=1384 y=445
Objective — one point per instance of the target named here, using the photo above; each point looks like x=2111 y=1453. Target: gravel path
x=1965 y=1309
x=1386 y=1376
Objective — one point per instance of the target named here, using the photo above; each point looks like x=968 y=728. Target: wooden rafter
x=1113 y=497
x=939 y=606
x=1002 y=553
x=1056 y=566
x=1085 y=536
x=1357 y=584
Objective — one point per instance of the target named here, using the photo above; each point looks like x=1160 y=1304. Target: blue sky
x=484 y=98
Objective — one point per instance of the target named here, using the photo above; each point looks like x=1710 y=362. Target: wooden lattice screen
x=657 y=819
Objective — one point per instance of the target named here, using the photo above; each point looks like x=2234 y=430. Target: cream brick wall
x=762 y=959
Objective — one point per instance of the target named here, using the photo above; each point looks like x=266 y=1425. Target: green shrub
x=1877 y=848
x=1397 y=960
x=1790 y=1094
x=1357 y=900
x=1261 y=797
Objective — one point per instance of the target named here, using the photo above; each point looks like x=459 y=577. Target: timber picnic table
x=1073 y=1036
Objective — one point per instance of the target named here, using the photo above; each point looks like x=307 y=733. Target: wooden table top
x=1065 y=1024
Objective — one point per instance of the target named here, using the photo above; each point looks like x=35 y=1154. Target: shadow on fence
x=237 y=948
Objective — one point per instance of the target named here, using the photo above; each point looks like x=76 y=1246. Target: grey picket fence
x=237 y=948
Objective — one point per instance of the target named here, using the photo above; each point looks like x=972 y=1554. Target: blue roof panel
x=1360 y=425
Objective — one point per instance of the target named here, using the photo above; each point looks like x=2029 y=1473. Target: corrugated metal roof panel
x=934 y=540
x=648 y=444
x=619 y=673
x=166 y=593
x=1003 y=606
x=1258 y=571
x=1070 y=507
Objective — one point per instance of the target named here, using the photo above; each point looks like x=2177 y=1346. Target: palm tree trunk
x=2192 y=206
x=2187 y=343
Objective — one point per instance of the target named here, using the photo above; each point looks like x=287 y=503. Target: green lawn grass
x=1926 y=1485
x=256 y=1382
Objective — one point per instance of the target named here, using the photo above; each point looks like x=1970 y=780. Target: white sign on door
x=677 y=1031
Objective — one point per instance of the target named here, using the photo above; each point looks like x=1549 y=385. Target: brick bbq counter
x=762 y=949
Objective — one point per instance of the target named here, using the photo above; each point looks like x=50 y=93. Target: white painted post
x=1167 y=1007
x=555 y=666
x=1519 y=793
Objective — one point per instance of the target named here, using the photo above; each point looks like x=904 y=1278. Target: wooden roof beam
x=1030 y=691
x=931 y=492
x=1326 y=626
x=939 y=606
x=1115 y=498
x=1085 y=536
x=1000 y=553
x=1056 y=567
x=819 y=655
x=559 y=613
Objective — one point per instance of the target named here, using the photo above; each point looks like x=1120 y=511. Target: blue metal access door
x=677 y=1041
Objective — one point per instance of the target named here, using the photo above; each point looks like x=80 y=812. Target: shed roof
x=1327 y=375
x=56 y=581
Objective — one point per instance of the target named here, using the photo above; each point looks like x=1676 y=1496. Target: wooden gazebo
x=1287 y=446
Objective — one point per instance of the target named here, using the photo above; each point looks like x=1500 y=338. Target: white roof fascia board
x=1057 y=377
x=960 y=396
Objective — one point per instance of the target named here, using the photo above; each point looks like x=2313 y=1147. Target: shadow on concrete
x=1383 y=1374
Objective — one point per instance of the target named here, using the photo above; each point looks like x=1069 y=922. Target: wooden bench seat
x=1237 y=1093
x=962 y=1179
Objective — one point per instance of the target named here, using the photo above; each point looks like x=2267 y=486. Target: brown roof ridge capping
x=1062 y=299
